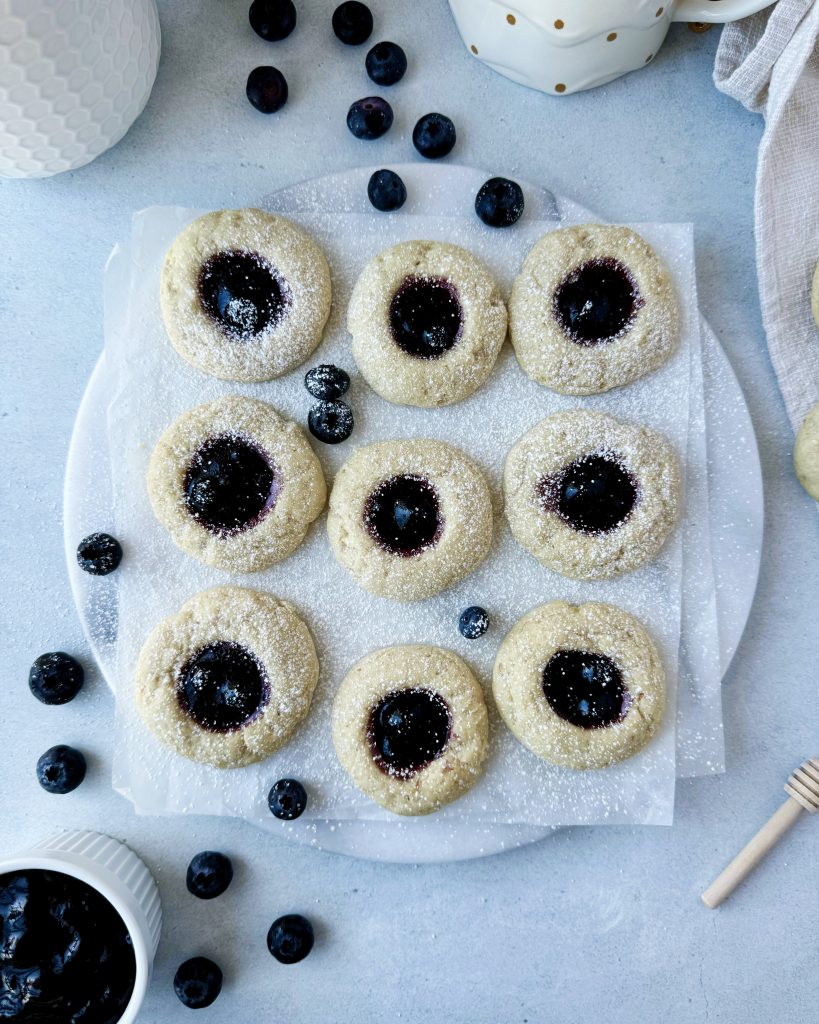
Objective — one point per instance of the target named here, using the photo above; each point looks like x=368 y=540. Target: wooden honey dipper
x=802 y=788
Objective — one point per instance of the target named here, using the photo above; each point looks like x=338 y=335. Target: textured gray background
x=593 y=923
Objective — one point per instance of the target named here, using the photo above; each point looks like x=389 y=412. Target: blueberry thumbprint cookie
x=410 y=727
x=589 y=496
x=582 y=686
x=227 y=680
x=409 y=518
x=427 y=323
x=592 y=309
x=245 y=294
x=235 y=484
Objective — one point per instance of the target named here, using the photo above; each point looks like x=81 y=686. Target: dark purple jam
x=408 y=729
x=242 y=293
x=223 y=687
x=403 y=515
x=65 y=953
x=585 y=689
x=597 y=302
x=426 y=317
x=230 y=484
x=594 y=494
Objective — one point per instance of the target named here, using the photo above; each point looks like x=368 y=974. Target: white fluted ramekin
x=116 y=872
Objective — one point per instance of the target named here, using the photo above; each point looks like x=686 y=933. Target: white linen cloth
x=770 y=63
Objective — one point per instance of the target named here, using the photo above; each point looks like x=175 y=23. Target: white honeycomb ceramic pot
x=74 y=76
x=564 y=46
x=116 y=872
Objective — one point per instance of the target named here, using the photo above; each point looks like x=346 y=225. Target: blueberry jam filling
x=403 y=515
x=426 y=317
x=230 y=485
x=223 y=687
x=585 y=689
x=594 y=494
x=65 y=953
x=408 y=729
x=242 y=293
x=597 y=302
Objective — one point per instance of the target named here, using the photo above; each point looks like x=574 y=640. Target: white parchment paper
x=151 y=385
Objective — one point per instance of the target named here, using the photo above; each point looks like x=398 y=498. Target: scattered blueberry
x=331 y=422
x=287 y=799
x=55 y=678
x=352 y=22
x=267 y=89
x=273 y=20
x=60 y=769
x=197 y=982
x=386 y=63
x=499 y=202
x=386 y=191
x=209 y=874
x=434 y=136
x=473 y=622
x=99 y=554
x=290 y=938
x=369 y=118
x=326 y=382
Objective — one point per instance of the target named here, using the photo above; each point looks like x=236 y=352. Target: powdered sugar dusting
x=152 y=386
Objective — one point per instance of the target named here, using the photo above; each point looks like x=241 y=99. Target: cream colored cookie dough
x=182 y=657
x=296 y=497
x=806 y=453
x=814 y=295
x=520 y=684
x=552 y=355
x=367 y=493
x=415 y=377
x=534 y=479
x=449 y=685
x=249 y=334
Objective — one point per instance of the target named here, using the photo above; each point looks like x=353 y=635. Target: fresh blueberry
x=352 y=22
x=209 y=874
x=499 y=202
x=369 y=118
x=273 y=20
x=55 y=678
x=99 y=554
x=60 y=769
x=267 y=89
x=473 y=622
x=330 y=422
x=326 y=382
x=386 y=191
x=434 y=136
x=197 y=982
x=287 y=799
x=386 y=63
x=290 y=938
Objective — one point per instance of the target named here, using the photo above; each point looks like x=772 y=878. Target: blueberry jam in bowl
x=80 y=919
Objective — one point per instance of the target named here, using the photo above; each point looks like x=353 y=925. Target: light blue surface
x=593 y=924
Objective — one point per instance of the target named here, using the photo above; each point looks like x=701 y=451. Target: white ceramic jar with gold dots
x=563 y=46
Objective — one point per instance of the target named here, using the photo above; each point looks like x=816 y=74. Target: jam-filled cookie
x=590 y=496
x=409 y=518
x=593 y=308
x=582 y=686
x=245 y=294
x=227 y=680
x=427 y=323
x=235 y=484
x=410 y=727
